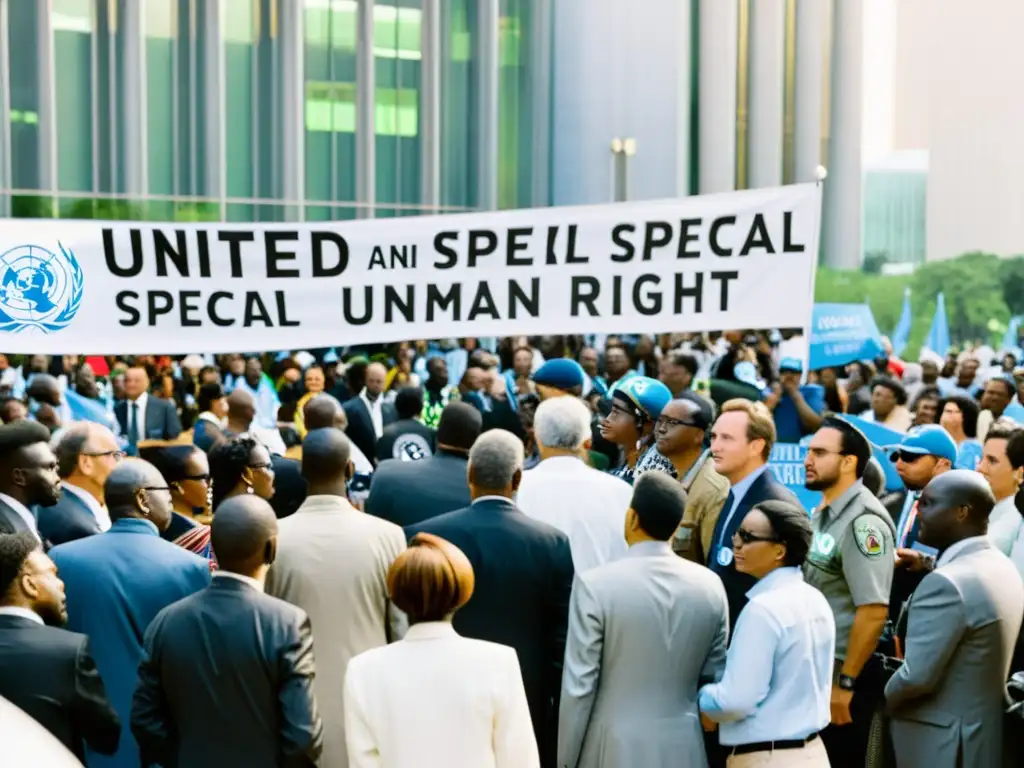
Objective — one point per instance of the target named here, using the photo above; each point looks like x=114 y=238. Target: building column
x=540 y=90
x=293 y=109
x=366 y=160
x=47 y=99
x=210 y=29
x=430 y=102
x=134 y=136
x=6 y=142
x=487 y=104
x=809 y=87
x=719 y=49
x=767 y=91
x=841 y=217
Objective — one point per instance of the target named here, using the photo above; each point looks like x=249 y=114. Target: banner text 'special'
x=736 y=260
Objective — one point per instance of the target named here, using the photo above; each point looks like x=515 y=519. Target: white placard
x=729 y=261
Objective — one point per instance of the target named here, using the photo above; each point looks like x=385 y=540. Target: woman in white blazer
x=436 y=699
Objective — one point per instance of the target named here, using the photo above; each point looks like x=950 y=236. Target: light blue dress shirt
x=778 y=671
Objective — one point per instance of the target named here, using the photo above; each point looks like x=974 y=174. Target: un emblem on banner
x=39 y=288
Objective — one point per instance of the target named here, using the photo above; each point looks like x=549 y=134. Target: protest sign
x=787 y=463
x=736 y=260
x=842 y=333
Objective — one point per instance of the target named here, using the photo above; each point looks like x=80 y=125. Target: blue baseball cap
x=560 y=373
x=791 y=364
x=929 y=440
x=647 y=395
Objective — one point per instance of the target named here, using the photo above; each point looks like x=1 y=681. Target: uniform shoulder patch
x=870 y=538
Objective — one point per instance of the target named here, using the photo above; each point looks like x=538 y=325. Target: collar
x=691 y=474
x=561 y=462
x=82 y=494
x=1003 y=507
x=141 y=400
x=431 y=630
x=371 y=403
x=16 y=505
x=23 y=613
x=780 y=578
x=649 y=549
x=134 y=525
x=326 y=501
x=502 y=499
x=239 y=577
x=740 y=489
x=954 y=551
x=837 y=507
x=208 y=416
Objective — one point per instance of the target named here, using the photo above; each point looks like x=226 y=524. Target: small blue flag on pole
x=938 y=334
x=901 y=335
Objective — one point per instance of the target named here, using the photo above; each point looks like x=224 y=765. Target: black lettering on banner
x=377 y=259
x=158 y=303
x=724 y=278
x=441 y=301
x=478 y=249
x=255 y=311
x=394 y=302
x=617 y=295
x=185 y=307
x=122 y=303
x=274 y=257
x=483 y=303
x=657 y=234
x=282 y=311
x=625 y=245
x=651 y=303
x=440 y=245
x=517 y=242
x=516 y=296
x=716 y=225
x=686 y=237
x=235 y=240
x=570 y=254
x=318 y=239
x=400 y=256
x=110 y=254
x=203 y=241
x=585 y=290
x=177 y=253
x=696 y=292
x=211 y=308
x=346 y=305
x=758 y=237
x=788 y=246
x=551 y=258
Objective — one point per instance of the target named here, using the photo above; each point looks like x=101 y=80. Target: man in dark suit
x=86 y=454
x=142 y=417
x=28 y=475
x=408 y=438
x=524 y=574
x=367 y=412
x=118 y=582
x=227 y=678
x=409 y=492
x=741 y=442
x=47 y=671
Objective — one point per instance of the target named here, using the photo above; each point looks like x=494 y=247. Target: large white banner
x=730 y=261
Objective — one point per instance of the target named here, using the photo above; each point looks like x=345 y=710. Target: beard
x=819 y=483
x=53 y=614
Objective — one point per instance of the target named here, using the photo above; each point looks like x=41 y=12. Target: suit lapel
x=154 y=417
x=80 y=509
x=12 y=518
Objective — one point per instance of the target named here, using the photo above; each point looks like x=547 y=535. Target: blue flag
x=842 y=333
x=1010 y=338
x=938 y=334
x=901 y=335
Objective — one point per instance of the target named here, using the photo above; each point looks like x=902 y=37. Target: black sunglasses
x=746 y=537
x=907 y=457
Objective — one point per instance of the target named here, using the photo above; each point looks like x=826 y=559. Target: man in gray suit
x=946 y=701
x=651 y=628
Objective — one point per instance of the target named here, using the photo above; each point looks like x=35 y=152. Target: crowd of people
x=553 y=551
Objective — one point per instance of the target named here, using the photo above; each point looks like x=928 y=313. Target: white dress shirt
x=1017 y=551
x=239 y=577
x=778 y=672
x=1003 y=525
x=98 y=510
x=25 y=613
x=23 y=512
x=376 y=409
x=588 y=506
x=950 y=552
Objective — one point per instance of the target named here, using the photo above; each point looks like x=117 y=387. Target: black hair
x=659 y=502
x=207 y=394
x=228 y=461
x=682 y=359
x=970 y=410
x=432 y=365
x=852 y=442
x=791 y=526
x=21 y=434
x=1011 y=388
x=1014 y=437
x=170 y=460
x=927 y=393
x=460 y=425
x=893 y=386
x=14 y=551
x=409 y=402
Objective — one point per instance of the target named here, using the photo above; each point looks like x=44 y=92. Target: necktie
x=721 y=539
x=133 y=425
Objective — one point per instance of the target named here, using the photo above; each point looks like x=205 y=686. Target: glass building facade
x=272 y=110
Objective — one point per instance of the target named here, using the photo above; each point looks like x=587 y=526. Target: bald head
x=326 y=460
x=44 y=389
x=244 y=535
x=324 y=411
x=135 y=488
x=241 y=408
x=376 y=374
x=954 y=506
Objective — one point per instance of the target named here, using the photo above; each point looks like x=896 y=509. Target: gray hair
x=494 y=459
x=563 y=423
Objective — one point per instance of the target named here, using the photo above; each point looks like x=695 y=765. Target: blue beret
x=646 y=394
x=560 y=373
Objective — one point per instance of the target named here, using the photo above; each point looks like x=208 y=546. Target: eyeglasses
x=115 y=455
x=265 y=465
x=155 y=488
x=197 y=478
x=668 y=422
x=745 y=537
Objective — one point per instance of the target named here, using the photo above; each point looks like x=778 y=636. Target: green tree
x=973 y=290
x=1011 y=275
